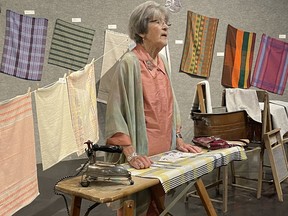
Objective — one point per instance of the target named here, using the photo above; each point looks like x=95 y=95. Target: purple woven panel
x=24 y=46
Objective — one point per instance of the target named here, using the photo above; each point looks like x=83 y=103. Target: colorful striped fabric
x=199 y=44
x=190 y=167
x=24 y=46
x=239 y=50
x=70 y=46
x=18 y=171
x=271 y=67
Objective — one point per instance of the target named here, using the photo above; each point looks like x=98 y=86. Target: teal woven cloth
x=71 y=45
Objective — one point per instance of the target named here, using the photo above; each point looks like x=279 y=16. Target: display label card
x=29 y=12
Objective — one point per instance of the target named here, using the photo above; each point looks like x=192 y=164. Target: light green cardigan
x=125 y=108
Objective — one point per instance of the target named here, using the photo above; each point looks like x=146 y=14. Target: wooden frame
x=277 y=157
x=266 y=126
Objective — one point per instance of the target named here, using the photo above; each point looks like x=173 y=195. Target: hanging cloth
x=24 y=46
x=57 y=139
x=83 y=106
x=71 y=45
x=271 y=68
x=199 y=44
x=18 y=171
x=116 y=44
x=239 y=51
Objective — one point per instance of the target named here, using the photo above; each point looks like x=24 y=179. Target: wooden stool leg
x=225 y=188
x=128 y=209
x=260 y=174
x=200 y=187
x=218 y=180
x=233 y=178
x=158 y=196
x=76 y=206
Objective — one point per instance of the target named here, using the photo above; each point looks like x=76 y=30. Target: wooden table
x=189 y=171
x=104 y=192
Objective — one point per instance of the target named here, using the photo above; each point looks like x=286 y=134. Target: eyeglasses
x=161 y=22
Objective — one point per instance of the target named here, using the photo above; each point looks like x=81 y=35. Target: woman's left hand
x=186 y=147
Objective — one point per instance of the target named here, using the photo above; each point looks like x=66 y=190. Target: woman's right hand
x=136 y=161
x=140 y=162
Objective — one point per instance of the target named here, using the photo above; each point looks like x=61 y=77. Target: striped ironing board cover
x=190 y=168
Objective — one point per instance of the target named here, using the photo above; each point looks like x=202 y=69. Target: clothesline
x=92 y=62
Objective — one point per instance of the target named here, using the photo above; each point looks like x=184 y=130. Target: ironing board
x=104 y=192
x=189 y=171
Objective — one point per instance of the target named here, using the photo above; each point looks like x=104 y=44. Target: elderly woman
x=142 y=112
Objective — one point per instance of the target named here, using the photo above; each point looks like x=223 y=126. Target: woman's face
x=157 y=34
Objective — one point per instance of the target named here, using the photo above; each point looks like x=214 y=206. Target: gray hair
x=140 y=16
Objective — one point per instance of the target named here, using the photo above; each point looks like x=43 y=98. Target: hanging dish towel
x=70 y=46
x=83 y=106
x=239 y=50
x=57 y=139
x=199 y=44
x=116 y=44
x=18 y=178
x=271 y=68
x=24 y=46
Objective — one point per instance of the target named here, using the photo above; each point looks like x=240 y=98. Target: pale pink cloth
x=18 y=172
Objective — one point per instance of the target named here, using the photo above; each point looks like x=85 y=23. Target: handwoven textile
x=271 y=67
x=70 y=46
x=83 y=106
x=57 y=139
x=199 y=44
x=18 y=172
x=24 y=46
x=116 y=44
x=239 y=51
x=191 y=167
x=243 y=99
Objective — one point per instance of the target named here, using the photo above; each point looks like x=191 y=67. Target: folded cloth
x=24 y=46
x=83 y=106
x=239 y=50
x=243 y=99
x=199 y=44
x=195 y=105
x=271 y=67
x=18 y=178
x=70 y=46
x=57 y=139
x=211 y=142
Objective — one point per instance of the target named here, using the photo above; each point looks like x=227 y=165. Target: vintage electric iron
x=96 y=170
